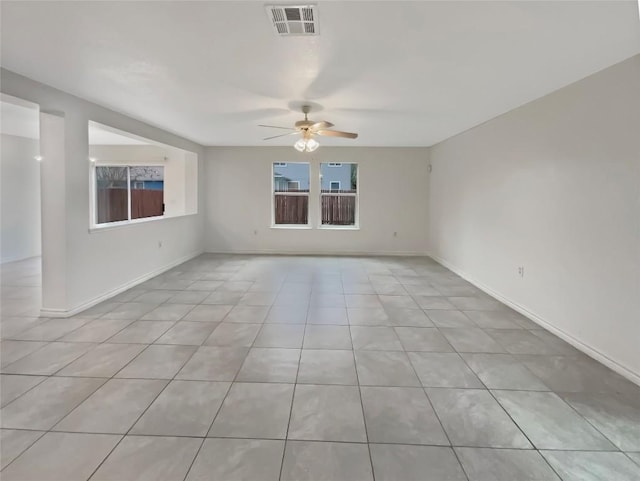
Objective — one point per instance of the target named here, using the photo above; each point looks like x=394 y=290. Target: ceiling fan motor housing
x=304 y=124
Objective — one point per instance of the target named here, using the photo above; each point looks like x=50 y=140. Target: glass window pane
x=290 y=177
x=112 y=196
x=343 y=175
x=342 y=179
x=147 y=191
x=291 y=193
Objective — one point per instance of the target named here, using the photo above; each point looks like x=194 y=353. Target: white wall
x=20 y=198
x=98 y=263
x=553 y=186
x=393 y=190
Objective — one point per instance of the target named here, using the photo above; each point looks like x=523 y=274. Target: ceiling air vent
x=294 y=19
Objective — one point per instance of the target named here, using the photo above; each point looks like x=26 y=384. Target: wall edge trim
x=61 y=313
x=575 y=342
x=9 y=260
x=285 y=252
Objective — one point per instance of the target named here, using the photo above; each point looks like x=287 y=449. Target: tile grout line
x=451 y=446
x=43 y=433
x=206 y=434
x=238 y=372
x=253 y=345
x=293 y=396
x=168 y=382
x=233 y=381
x=535 y=448
x=364 y=419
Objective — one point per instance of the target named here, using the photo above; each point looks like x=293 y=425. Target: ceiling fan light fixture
x=306 y=145
x=300 y=145
x=312 y=145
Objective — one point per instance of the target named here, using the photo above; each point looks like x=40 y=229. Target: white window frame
x=94 y=195
x=273 y=198
x=356 y=224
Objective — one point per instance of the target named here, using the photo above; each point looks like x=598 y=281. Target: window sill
x=338 y=227
x=291 y=226
x=130 y=223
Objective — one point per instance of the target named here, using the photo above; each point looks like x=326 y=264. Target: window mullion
x=129 y=192
x=93 y=214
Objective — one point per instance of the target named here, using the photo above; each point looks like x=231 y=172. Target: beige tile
x=113 y=408
x=158 y=362
x=61 y=456
x=149 y=458
x=44 y=405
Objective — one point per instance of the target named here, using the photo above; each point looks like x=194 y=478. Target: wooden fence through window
x=291 y=209
x=112 y=204
x=336 y=209
x=146 y=203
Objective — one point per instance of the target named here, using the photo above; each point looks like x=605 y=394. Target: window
x=290 y=193
x=339 y=194
x=133 y=179
x=147 y=191
x=126 y=192
x=112 y=197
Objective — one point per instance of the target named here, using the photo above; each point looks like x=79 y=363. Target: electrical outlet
x=395 y=234
x=521 y=271
x=255 y=232
x=159 y=244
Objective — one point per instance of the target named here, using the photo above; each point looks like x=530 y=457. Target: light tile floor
x=303 y=368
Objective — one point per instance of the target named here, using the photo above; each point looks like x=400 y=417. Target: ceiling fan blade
x=281 y=135
x=336 y=133
x=277 y=127
x=321 y=125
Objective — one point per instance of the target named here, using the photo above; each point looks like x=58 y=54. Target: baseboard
x=281 y=252
x=117 y=290
x=578 y=344
x=17 y=259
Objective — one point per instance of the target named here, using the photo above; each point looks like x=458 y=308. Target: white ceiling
x=399 y=73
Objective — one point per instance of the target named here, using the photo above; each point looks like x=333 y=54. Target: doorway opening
x=20 y=215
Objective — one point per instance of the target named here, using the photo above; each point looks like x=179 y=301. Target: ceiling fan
x=308 y=129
